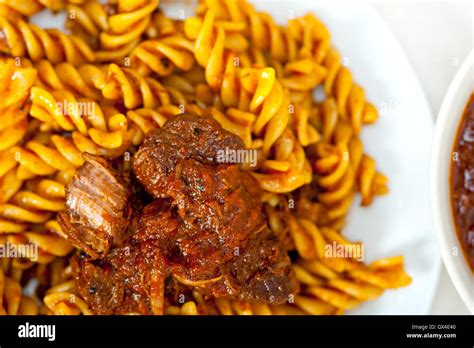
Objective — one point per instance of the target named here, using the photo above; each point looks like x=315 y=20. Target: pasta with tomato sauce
x=121 y=73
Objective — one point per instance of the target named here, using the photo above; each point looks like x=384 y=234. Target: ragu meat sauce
x=462 y=182
x=202 y=212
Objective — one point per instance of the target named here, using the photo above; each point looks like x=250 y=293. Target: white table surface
x=437 y=36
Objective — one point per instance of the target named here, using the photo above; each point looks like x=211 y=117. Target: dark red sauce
x=462 y=182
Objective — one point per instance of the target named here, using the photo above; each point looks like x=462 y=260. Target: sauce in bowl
x=462 y=182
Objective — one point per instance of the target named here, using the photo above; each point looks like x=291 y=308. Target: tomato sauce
x=462 y=182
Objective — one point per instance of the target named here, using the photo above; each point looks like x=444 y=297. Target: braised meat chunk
x=222 y=240
x=217 y=209
x=205 y=227
x=186 y=136
x=261 y=273
x=239 y=260
x=99 y=210
x=101 y=286
x=121 y=282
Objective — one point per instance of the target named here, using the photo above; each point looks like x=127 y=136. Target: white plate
x=399 y=223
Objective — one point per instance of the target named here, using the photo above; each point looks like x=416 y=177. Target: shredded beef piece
x=99 y=211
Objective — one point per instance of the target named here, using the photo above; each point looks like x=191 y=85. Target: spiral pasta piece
x=341 y=281
x=130 y=21
x=29 y=8
x=350 y=97
x=295 y=174
x=22 y=39
x=163 y=56
x=342 y=167
x=66 y=76
x=115 y=28
x=83 y=116
x=209 y=49
x=134 y=90
x=62 y=299
x=88 y=20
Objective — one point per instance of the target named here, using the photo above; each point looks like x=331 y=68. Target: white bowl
x=448 y=121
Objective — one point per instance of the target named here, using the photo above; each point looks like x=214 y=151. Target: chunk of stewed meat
x=129 y=279
x=186 y=136
x=205 y=228
x=99 y=210
x=219 y=212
